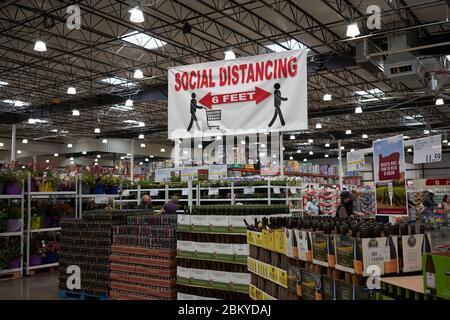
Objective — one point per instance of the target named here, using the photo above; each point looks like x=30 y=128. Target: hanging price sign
x=249 y=190
x=427 y=149
x=355 y=161
x=213 y=191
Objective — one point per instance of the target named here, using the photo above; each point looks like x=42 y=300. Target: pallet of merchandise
x=143 y=261
x=143 y=251
x=126 y=295
x=144 y=270
x=151 y=281
x=78 y=295
x=144 y=289
x=10 y=275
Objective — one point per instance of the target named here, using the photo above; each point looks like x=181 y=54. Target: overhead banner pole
x=132 y=161
x=13 y=143
x=281 y=155
x=341 y=170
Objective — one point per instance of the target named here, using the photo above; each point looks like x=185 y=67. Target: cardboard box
x=200 y=277
x=185 y=248
x=280 y=241
x=203 y=250
x=240 y=252
x=200 y=223
x=236 y=224
x=222 y=251
x=183 y=275
x=219 y=223
x=184 y=222
x=239 y=281
x=219 y=279
x=436 y=274
x=268 y=241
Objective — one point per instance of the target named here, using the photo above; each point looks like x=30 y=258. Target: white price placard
x=217 y=172
x=213 y=191
x=101 y=199
x=355 y=161
x=154 y=192
x=249 y=190
x=125 y=193
x=189 y=174
x=293 y=190
x=162 y=175
x=276 y=190
x=428 y=149
x=184 y=191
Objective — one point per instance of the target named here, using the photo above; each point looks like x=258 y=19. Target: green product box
x=240 y=259
x=183 y=222
x=185 y=249
x=200 y=223
x=183 y=275
x=219 y=223
x=436 y=274
x=200 y=277
x=222 y=252
x=219 y=279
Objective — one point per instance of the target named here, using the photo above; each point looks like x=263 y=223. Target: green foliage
x=110 y=181
x=11 y=176
x=88 y=178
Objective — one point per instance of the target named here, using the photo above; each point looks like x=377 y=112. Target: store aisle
x=39 y=287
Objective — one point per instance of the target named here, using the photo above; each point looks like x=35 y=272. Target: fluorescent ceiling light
x=40 y=46
x=304 y=160
x=75 y=112
x=16 y=103
x=327 y=145
x=310 y=140
x=318 y=126
x=141 y=136
x=19 y=151
x=162 y=150
x=154 y=156
x=97 y=130
x=439 y=102
x=291 y=158
x=311 y=153
x=291 y=44
x=131 y=121
x=292 y=137
x=426 y=131
x=84 y=152
x=122 y=107
x=405 y=137
x=143 y=40
x=370 y=92
x=444 y=141
x=136 y=15
x=54 y=130
x=326 y=156
x=348 y=131
x=99 y=156
x=147 y=159
x=1 y=144
x=138 y=74
x=358 y=109
x=200 y=146
x=122 y=158
x=365 y=136
x=25 y=141
x=141 y=124
x=409 y=150
x=55 y=154
x=352 y=150
x=230 y=55
x=142 y=145
x=352 y=30
x=34 y=121
x=71 y=90
x=71 y=158
x=299 y=151
x=105 y=141
x=327 y=97
x=69 y=145
x=116 y=81
x=3 y=83
x=47 y=161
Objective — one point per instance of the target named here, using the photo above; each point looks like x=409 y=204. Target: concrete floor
x=39 y=287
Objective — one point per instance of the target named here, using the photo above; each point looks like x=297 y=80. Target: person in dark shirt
x=146 y=203
x=171 y=207
x=345 y=208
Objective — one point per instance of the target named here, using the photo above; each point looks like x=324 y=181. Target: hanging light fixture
x=147 y=159
x=230 y=55
x=310 y=140
x=84 y=152
x=141 y=136
x=47 y=161
x=55 y=154
x=71 y=158
x=304 y=160
x=105 y=141
x=426 y=131
x=40 y=46
x=327 y=145
x=162 y=150
x=291 y=158
x=352 y=30
x=318 y=125
x=352 y=150
x=25 y=141
x=71 y=90
x=327 y=97
x=129 y=103
x=326 y=156
x=69 y=145
x=200 y=146
x=138 y=74
x=358 y=109
x=99 y=156
x=409 y=150
x=75 y=112
x=365 y=136
x=142 y=145
x=97 y=130
x=439 y=101
x=299 y=151
x=348 y=131
x=136 y=15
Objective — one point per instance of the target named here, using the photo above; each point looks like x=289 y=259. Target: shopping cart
x=213 y=118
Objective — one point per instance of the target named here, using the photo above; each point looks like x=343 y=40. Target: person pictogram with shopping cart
x=193 y=109
x=277 y=104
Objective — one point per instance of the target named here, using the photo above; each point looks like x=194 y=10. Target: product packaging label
x=280 y=241
x=290 y=242
x=237 y=224
x=200 y=223
x=219 y=279
x=412 y=252
x=185 y=248
x=183 y=222
x=304 y=244
x=219 y=223
x=320 y=256
x=381 y=252
x=183 y=275
x=345 y=253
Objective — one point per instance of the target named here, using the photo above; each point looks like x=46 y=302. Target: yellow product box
x=268 y=240
x=280 y=241
x=252 y=291
x=273 y=274
x=251 y=237
x=263 y=269
x=282 y=277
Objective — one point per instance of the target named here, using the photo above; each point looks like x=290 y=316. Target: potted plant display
x=12 y=180
x=67 y=184
x=3 y=219
x=87 y=182
x=51 y=252
x=13 y=254
x=112 y=184
x=99 y=186
x=14 y=222
x=36 y=251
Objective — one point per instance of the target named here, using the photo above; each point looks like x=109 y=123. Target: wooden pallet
x=71 y=295
x=10 y=276
x=42 y=270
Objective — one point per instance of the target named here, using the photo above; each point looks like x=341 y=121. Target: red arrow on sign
x=256 y=95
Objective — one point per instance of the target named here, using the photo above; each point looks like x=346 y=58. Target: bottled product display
x=317 y=258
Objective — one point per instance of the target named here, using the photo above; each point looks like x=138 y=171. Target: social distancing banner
x=265 y=93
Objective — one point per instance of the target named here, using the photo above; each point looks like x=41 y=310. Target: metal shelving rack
x=18 y=233
x=29 y=232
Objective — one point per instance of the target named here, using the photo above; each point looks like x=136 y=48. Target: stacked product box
x=86 y=244
x=142 y=258
x=212 y=250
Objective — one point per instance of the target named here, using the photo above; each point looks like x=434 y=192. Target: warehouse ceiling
x=99 y=60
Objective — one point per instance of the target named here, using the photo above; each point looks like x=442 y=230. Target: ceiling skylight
x=121 y=108
x=116 y=81
x=370 y=92
x=16 y=103
x=143 y=40
x=3 y=83
x=291 y=44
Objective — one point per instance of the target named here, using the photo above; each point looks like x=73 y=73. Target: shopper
x=345 y=208
x=445 y=203
x=145 y=202
x=428 y=201
x=312 y=207
x=171 y=207
x=356 y=201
